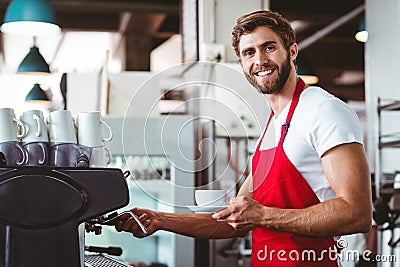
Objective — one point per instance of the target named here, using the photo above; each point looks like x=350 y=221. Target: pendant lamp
x=362 y=34
x=30 y=17
x=37 y=96
x=34 y=63
x=305 y=70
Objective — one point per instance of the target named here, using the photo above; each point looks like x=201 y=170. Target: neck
x=278 y=101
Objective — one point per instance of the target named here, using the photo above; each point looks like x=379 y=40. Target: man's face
x=264 y=59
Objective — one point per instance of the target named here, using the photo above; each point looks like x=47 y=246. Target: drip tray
x=99 y=260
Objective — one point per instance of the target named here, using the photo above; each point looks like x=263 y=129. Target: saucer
x=206 y=209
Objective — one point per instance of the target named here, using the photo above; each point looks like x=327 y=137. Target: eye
x=248 y=53
x=269 y=48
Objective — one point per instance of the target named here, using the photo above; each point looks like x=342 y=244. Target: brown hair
x=273 y=20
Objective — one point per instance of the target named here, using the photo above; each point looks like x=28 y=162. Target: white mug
x=36 y=129
x=37 y=153
x=11 y=129
x=212 y=197
x=90 y=131
x=100 y=157
x=64 y=154
x=62 y=127
x=14 y=153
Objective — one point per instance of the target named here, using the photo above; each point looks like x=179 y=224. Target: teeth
x=264 y=73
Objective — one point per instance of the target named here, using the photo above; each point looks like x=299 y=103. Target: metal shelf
x=393 y=144
x=388 y=105
x=383 y=141
x=384 y=182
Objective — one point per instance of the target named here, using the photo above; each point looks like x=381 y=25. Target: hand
x=243 y=213
x=148 y=219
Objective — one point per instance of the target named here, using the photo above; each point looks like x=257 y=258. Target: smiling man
x=307 y=188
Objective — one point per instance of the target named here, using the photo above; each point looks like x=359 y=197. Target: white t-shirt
x=320 y=122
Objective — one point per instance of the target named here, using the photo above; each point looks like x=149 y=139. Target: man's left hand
x=243 y=213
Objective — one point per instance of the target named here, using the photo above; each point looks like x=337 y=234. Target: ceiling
x=338 y=59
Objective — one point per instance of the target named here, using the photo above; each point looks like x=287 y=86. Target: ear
x=293 y=50
x=240 y=61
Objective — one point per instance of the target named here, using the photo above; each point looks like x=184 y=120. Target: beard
x=275 y=85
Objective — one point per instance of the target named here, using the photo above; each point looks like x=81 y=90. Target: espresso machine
x=41 y=209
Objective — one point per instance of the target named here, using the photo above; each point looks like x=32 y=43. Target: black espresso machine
x=42 y=207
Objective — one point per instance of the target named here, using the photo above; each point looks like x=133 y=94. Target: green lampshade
x=36 y=94
x=34 y=63
x=305 y=70
x=30 y=17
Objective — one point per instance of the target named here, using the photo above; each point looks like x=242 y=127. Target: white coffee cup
x=62 y=127
x=100 y=157
x=11 y=129
x=37 y=153
x=14 y=153
x=36 y=128
x=90 y=131
x=64 y=154
x=211 y=197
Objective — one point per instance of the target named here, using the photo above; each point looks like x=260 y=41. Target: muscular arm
x=203 y=225
x=197 y=225
x=193 y=225
x=347 y=171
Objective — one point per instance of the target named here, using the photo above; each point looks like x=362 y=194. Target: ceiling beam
x=168 y=7
x=331 y=27
x=117 y=6
x=126 y=17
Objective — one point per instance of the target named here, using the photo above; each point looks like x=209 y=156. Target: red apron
x=277 y=183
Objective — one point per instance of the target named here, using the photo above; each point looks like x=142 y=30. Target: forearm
x=330 y=218
x=196 y=225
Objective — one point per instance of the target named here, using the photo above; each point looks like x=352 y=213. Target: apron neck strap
x=285 y=126
x=295 y=100
x=265 y=130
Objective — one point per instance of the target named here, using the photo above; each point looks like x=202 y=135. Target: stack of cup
x=60 y=141
x=64 y=149
x=11 y=132
x=90 y=134
x=36 y=139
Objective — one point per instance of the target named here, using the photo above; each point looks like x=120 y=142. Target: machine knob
x=93 y=228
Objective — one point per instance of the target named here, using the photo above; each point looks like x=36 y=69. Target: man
x=311 y=186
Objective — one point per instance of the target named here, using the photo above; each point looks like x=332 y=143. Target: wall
x=226 y=13
x=132 y=87
x=166 y=54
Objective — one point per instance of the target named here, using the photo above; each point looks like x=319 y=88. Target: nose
x=260 y=58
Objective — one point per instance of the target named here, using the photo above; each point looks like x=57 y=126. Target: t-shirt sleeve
x=334 y=123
